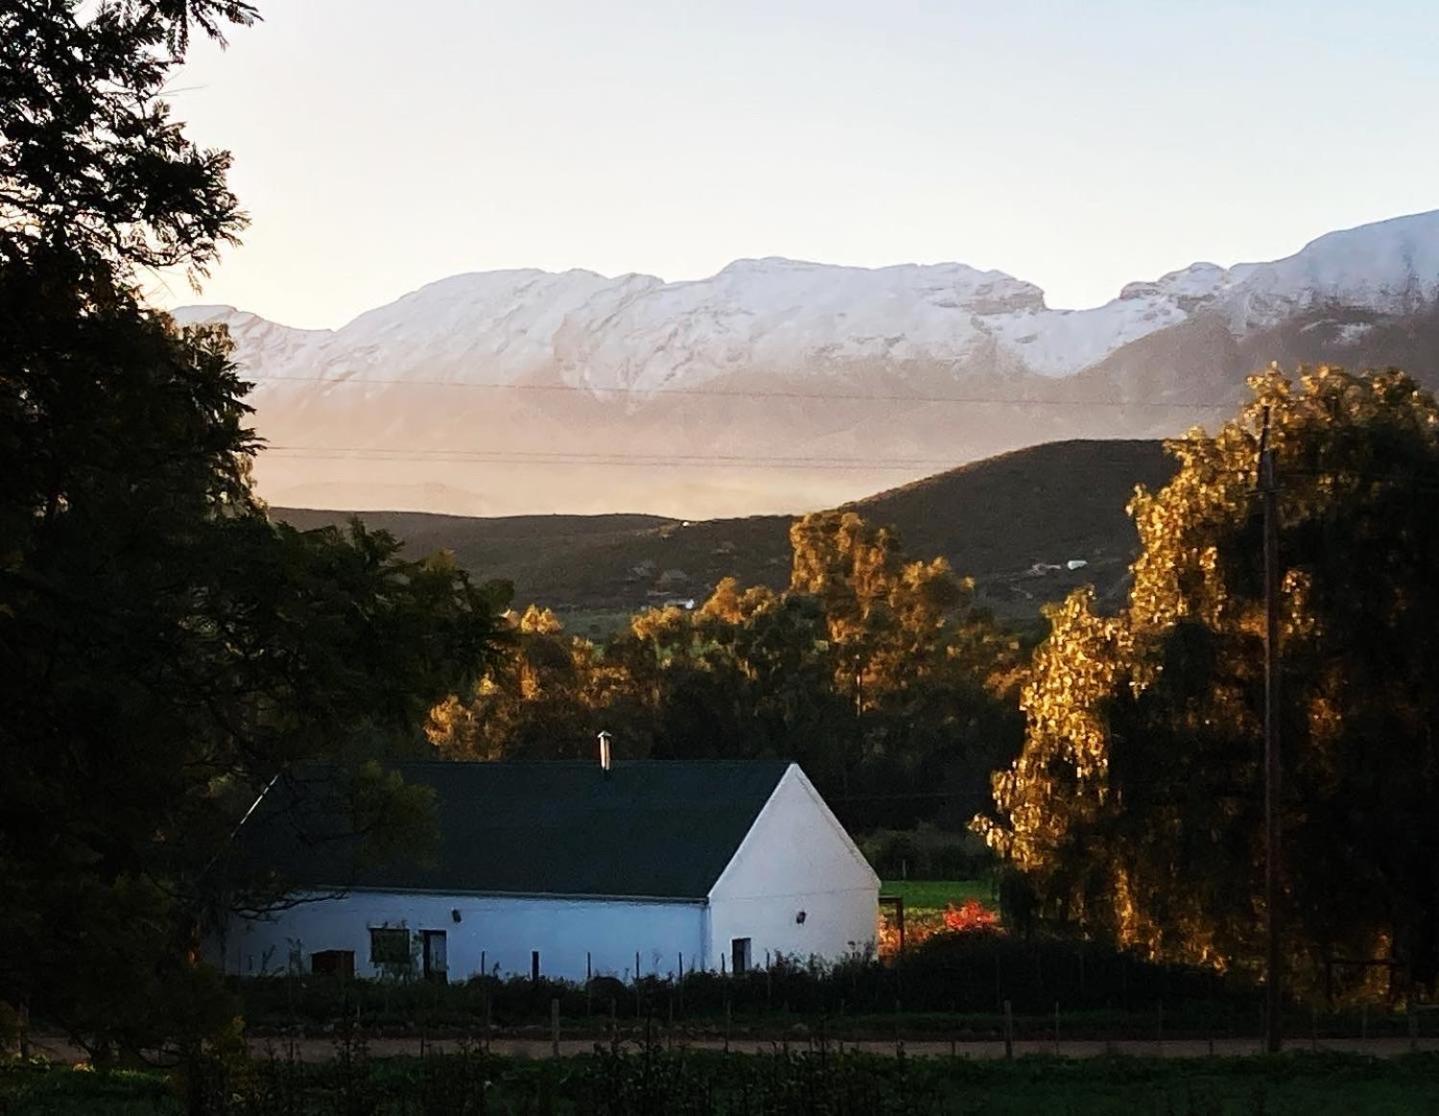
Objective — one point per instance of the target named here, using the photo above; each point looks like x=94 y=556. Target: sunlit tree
x=1135 y=807
x=874 y=672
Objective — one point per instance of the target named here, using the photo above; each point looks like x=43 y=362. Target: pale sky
x=383 y=145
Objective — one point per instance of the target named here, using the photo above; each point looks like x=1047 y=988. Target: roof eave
x=338 y=892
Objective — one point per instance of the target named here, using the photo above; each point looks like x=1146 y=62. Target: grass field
x=935 y=895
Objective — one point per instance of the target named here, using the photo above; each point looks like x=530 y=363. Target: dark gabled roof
x=661 y=828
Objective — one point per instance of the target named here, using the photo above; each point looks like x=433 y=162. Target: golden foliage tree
x=1135 y=807
x=870 y=670
x=545 y=698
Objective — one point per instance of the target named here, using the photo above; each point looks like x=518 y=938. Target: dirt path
x=323 y=1049
x=320 y=1049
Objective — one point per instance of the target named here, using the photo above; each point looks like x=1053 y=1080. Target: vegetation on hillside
x=1011 y=523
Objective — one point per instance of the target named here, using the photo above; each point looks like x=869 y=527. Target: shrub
x=926 y=852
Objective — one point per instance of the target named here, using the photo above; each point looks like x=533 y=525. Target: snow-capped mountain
x=777 y=384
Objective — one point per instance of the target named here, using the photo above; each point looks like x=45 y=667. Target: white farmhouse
x=571 y=869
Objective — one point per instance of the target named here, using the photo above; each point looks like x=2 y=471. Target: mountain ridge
x=776 y=384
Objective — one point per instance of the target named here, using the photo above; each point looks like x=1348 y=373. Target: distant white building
x=577 y=870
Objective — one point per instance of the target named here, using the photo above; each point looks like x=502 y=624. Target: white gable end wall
x=796 y=857
x=502 y=930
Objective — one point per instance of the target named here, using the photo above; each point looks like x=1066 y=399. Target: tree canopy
x=92 y=163
x=876 y=672
x=166 y=652
x=1135 y=808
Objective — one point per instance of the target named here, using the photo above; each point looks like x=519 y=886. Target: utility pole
x=858 y=723
x=1273 y=990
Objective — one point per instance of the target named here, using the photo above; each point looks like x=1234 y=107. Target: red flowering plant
x=972 y=917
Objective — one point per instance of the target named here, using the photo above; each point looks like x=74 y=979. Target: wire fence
x=989 y=990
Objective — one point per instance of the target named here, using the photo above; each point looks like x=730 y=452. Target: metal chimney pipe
x=605 y=756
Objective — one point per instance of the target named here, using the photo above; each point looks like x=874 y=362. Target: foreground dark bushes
x=649 y=1082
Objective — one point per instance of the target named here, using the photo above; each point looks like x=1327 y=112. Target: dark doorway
x=435 y=954
x=333 y=962
x=739 y=955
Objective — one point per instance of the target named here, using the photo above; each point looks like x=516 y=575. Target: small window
x=390 y=947
x=739 y=955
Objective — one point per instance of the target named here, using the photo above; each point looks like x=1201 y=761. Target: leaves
x=1134 y=808
x=874 y=672
x=166 y=653
x=92 y=162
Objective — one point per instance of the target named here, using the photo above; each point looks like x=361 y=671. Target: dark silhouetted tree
x=165 y=651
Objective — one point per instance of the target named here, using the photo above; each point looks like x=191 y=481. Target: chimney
x=605 y=752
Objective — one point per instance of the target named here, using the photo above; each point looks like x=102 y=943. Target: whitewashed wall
x=505 y=929
x=797 y=857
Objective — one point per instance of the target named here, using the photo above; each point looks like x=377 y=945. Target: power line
x=591 y=457
x=712 y=393
x=646 y=458
x=544 y=457
x=602 y=464
x=458 y=455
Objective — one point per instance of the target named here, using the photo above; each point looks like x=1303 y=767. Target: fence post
x=898 y=1038
x=1160 y=1032
x=555 y=1026
x=1008 y=1030
x=1413 y=1022
x=727 y=1021
x=1363 y=1021
x=1056 y=1028
x=614 y=1027
x=488 y=1024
